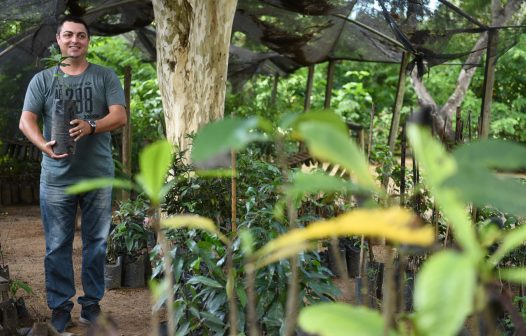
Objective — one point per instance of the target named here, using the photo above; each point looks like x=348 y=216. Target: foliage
x=199 y=258
x=467 y=271
x=15 y=285
x=130 y=233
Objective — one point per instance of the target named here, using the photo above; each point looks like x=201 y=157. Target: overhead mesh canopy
x=270 y=36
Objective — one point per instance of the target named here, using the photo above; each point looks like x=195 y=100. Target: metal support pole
x=400 y=91
x=328 y=87
x=489 y=80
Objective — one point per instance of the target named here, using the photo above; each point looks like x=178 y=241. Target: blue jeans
x=58 y=211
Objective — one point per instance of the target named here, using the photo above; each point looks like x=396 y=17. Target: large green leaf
x=313 y=183
x=225 y=135
x=340 y=319
x=517 y=275
x=98 y=183
x=328 y=144
x=154 y=162
x=437 y=167
x=481 y=187
x=326 y=117
x=444 y=294
x=492 y=153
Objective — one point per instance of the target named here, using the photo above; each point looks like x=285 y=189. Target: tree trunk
x=193 y=38
x=500 y=16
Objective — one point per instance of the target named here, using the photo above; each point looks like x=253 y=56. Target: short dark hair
x=70 y=18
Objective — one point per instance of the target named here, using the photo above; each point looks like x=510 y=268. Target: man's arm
x=29 y=126
x=116 y=118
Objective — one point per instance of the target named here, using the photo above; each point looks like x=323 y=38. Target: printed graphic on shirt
x=82 y=94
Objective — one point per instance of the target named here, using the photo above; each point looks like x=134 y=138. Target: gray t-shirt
x=93 y=90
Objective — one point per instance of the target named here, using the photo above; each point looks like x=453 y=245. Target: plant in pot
x=65 y=108
x=114 y=261
x=15 y=285
x=129 y=238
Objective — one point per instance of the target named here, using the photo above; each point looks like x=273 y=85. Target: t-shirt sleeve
x=35 y=99
x=114 y=91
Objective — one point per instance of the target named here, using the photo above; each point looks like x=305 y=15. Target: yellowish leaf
x=193 y=222
x=395 y=224
x=284 y=253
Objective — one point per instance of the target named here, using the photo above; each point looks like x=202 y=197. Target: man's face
x=73 y=40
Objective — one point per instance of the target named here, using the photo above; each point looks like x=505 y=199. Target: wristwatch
x=93 y=125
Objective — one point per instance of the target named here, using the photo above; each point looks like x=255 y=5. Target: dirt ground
x=23 y=247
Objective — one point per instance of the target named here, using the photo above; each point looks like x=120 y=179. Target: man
x=100 y=108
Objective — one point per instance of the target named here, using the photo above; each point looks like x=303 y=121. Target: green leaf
x=492 y=153
x=444 y=294
x=242 y=296
x=339 y=319
x=517 y=275
x=247 y=242
x=437 y=167
x=482 y=187
x=313 y=183
x=154 y=162
x=224 y=135
x=199 y=279
x=325 y=117
x=98 y=183
x=512 y=240
x=328 y=144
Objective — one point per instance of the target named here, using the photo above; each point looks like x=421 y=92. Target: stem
x=293 y=286
x=389 y=297
x=167 y=271
x=232 y=304
x=253 y=328
x=291 y=313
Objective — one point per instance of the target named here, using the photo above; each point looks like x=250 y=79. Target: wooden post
x=489 y=80
x=402 y=165
x=400 y=91
x=274 y=91
x=328 y=86
x=306 y=103
x=308 y=91
x=126 y=132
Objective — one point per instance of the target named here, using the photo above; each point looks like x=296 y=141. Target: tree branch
x=500 y=16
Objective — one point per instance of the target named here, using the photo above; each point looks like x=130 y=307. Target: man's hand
x=48 y=149
x=29 y=126
x=81 y=128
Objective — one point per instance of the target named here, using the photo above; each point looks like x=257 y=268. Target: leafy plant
x=131 y=231
x=15 y=285
x=200 y=258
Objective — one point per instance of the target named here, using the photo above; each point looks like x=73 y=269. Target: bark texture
x=193 y=38
x=444 y=116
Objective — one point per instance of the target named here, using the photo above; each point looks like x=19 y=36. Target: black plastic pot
x=333 y=266
x=4 y=271
x=63 y=114
x=353 y=261
x=113 y=274
x=134 y=271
